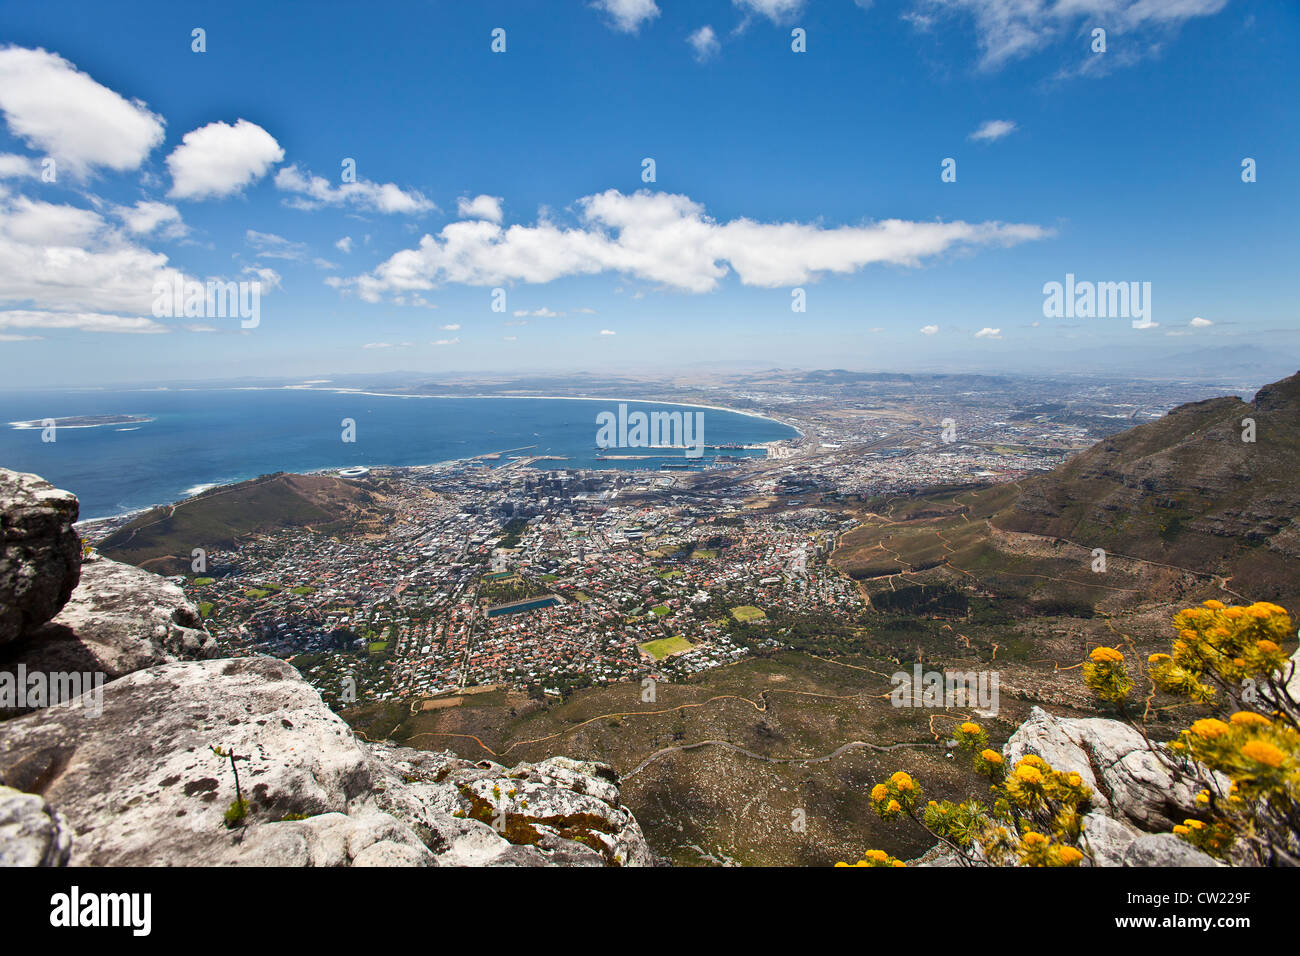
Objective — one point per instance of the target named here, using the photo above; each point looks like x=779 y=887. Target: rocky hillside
x=1188 y=491
x=127 y=775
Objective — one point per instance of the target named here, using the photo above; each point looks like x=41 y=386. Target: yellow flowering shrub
x=1231 y=659
x=1105 y=675
x=1245 y=755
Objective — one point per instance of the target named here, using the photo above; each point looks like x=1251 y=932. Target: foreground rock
x=32 y=833
x=119 y=619
x=1136 y=798
x=140 y=784
x=40 y=554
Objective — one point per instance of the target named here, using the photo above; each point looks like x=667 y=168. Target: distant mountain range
x=1183 y=507
x=1187 y=490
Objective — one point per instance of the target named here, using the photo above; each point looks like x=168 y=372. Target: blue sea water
x=201 y=437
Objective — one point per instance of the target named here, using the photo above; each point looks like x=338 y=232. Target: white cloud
x=929 y=330
x=455 y=341
x=221 y=160
x=269 y=278
x=344 y=244
x=1145 y=324
x=993 y=129
x=1008 y=30
x=777 y=11
x=10 y=337
x=13 y=166
x=1200 y=323
x=62 y=259
x=56 y=109
x=480 y=207
x=704 y=42
x=607 y=332
x=385 y=198
x=450 y=327
x=146 y=216
x=542 y=313
x=84 y=321
x=988 y=333
x=510 y=338
x=628 y=15
x=270 y=246
x=388 y=345
x=668 y=239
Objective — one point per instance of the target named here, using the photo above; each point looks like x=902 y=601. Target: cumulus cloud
x=146 y=216
x=313 y=192
x=480 y=207
x=1200 y=323
x=55 y=108
x=988 y=333
x=71 y=264
x=668 y=239
x=627 y=16
x=1008 y=30
x=993 y=129
x=221 y=160
x=704 y=42
x=929 y=330
x=344 y=244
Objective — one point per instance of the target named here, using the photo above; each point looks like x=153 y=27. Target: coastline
x=208 y=486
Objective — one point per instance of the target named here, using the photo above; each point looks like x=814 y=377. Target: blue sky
x=774 y=170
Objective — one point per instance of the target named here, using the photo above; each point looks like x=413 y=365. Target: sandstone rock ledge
x=39 y=552
x=119 y=619
x=1133 y=793
x=139 y=785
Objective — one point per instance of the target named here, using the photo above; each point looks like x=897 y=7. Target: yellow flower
x=1214 y=605
x=893 y=806
x=1106 y=655
x=1031 y=838
x=898 y=863
x=1267 y=647
x=1158 y=658
x=1209 y=727
x=899 y=778
x=1074 y=779
x=841 y=863
x=879 y=792
x=1070 y=855
x=1030 y=775
x=1248 y=718
x=969 y=727
x=1181 y=830
x=991 y=756
x=879 y=855
x=1194 y=824
x=1263 y=752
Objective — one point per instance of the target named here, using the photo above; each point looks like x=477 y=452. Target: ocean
x=197 y=438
